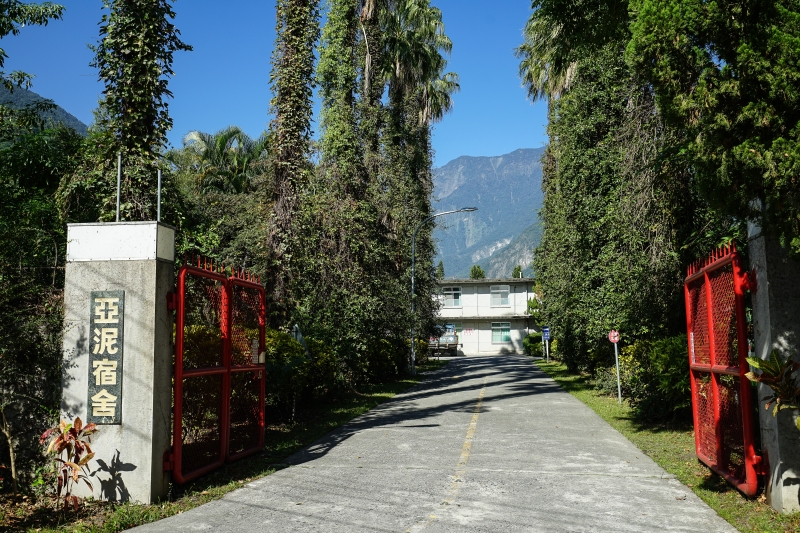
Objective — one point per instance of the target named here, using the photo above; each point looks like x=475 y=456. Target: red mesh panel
x=201 y=423
x=707 y=436
x=245 y=412
x=202 y=333
x=733 y=459
x=724 y=309
x=723 y=394
x=245 y=332
x=698 y=309
x=219 y=402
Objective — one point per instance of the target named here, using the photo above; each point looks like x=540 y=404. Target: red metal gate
x=718 y=345
x=219 y=369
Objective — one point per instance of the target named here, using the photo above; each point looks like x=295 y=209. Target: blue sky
x=225 y=80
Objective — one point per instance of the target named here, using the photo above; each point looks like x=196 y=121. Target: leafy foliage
x=618 y=225
x=779 y=375
x=725 y=74
x=69 y=443
x=476 y=272
x=134 y=58
x=654 y=378
x=292 y=80
x=32 y=249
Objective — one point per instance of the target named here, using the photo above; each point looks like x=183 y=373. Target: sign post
x=613 y=336
x=546 y=337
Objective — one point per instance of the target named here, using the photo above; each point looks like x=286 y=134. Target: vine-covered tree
x=134 y=60
x=621 y=216
x=292 y=80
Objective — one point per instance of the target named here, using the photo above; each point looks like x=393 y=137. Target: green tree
x=476 y=272
x=440 y=271
x=725 y=74
x=134 y=59
x=32 y=248
x=227 y=159
x=292 y=80
x=517 y=273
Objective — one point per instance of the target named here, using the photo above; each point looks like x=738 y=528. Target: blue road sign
x=546 y=333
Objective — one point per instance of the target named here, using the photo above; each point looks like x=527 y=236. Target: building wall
x=476 y=300
x=475 y=315
x=476 y=337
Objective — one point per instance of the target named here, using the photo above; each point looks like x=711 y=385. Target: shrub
x=655 y=378
x=532 y=344
x=287 y=369
x=325 y=374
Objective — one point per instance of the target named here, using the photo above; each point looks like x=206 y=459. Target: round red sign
x=613 y=336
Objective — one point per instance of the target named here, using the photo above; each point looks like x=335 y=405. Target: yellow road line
x=461 y=466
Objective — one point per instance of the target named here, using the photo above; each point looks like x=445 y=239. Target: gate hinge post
x=168 y=461
x=172 y=300
x=760 y=465
x=749 y=281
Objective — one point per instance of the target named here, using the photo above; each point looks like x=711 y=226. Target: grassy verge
x=23 y=513
x=671 y=445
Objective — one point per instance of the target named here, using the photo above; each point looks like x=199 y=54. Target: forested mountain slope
x=19 y=98
x=507 y=190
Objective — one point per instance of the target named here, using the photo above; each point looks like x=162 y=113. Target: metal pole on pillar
x=547 y=347
x=158 y=209
x=119 y=179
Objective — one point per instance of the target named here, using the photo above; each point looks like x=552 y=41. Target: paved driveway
x=487 y=444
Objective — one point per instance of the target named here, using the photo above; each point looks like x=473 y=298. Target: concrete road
x=486 y=444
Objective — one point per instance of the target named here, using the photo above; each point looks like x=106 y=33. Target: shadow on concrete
x=520 y=377
x=113 y=487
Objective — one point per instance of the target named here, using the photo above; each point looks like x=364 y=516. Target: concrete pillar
x=776 y=324
x=118 y=352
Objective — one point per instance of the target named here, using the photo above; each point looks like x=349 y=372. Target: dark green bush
x=532 y=344
x=655 y=378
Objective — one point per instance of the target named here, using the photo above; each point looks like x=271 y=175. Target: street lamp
x=413 y=263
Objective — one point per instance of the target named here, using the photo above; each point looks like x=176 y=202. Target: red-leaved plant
x=70 y=445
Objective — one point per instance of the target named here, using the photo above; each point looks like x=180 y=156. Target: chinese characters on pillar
x=104 y=404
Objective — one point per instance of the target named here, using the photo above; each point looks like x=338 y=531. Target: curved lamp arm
x=413 y=266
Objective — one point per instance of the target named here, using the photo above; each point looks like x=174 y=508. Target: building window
x=499 y=295
x=452 y=296
x=501 y=332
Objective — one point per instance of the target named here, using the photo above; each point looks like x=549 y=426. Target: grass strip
x=671 y=445
x=281 y=441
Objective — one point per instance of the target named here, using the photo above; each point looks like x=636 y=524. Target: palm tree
x=225 y=160
x=414 y=46
x=545 y=67
x=436 y=97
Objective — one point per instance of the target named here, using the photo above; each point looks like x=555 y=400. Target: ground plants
x=69 y=443
x=778 y=375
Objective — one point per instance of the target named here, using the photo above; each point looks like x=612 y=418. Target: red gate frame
x=718 y=259
x=242 y=279
x=176 y=301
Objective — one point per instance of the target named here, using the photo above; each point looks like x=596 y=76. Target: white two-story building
x=489 y=315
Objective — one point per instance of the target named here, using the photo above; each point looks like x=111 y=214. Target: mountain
x=518 y=252
x=19 y=98
x=507 y=190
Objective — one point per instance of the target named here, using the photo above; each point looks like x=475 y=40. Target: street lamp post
x=413 y=264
